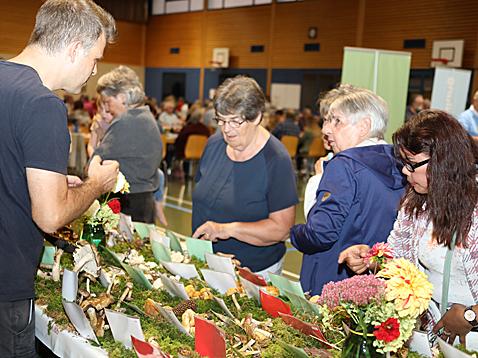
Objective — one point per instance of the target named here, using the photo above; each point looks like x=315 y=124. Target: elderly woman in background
x=441 y=202
x=133 y=139
x=245 y=195
x=359 y=193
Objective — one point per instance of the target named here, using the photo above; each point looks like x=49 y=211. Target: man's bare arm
x=54 y=204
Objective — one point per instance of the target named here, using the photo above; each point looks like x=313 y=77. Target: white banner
x=450 y=90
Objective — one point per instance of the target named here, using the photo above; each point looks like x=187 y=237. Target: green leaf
x=138 y=276
x=160 y=252
x=296 y=352
x=198 y=248
x=174 y=241
x=48 y=257
x=142 y=229
x=113 y=257
x=284 y=284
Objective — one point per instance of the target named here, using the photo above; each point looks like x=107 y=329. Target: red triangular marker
x=147 y=350
x=273 y=305
x=209 y=340
x=252 y=277
x=304 y=327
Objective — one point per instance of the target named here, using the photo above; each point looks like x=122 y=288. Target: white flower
x=122 y=184
x=93 y=209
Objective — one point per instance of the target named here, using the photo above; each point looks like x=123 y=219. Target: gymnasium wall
x=281 y=28
x=16 y=23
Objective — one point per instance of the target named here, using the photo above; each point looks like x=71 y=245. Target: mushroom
x=114 y=281
x=129 y=287
x=236 y=304
x=100 y=326
x=55 y=272
x=89 y=277
x=83 y=294
x=91 y=312
x=43 y=275
x=98 y=303
x=188 y=320
x=87 y=259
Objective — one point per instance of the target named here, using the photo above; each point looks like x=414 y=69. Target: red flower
x=388 y=331
x=115 y=206
x=379 y=253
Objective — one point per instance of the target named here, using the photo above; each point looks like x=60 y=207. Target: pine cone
x=183 y=306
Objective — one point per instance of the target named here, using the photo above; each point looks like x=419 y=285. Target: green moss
x=166 y=335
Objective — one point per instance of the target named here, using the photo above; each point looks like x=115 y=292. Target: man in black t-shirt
x=36 y=194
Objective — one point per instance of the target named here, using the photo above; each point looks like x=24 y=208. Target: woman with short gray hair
x=245 y=195
x=359 y=193
x=133 y=139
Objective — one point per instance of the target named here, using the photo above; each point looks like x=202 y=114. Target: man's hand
x=354 y=256
x=212 y=231
x=454 y=324
x=103 y=173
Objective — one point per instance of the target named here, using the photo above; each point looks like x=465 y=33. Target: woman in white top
x=439 y=159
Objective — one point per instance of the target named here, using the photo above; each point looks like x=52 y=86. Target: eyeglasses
x=232 y=123
x=412 y=166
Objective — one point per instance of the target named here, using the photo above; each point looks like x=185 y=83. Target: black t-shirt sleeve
x=282 y=189
x=45 y=139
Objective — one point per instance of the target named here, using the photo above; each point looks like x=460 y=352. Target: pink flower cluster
x=359 y=290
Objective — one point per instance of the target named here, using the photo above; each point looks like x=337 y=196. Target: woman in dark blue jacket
x=359 y=194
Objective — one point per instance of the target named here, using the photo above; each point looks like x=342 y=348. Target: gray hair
x=122 y=80
x=240 y=95
x=358 y=103
x=329 y=97
x=60 y=22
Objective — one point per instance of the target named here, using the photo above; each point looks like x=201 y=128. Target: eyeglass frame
x=411 y=167
x=234 y=124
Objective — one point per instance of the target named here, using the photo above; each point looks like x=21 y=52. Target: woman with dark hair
x=245 y=195
x=438 y=215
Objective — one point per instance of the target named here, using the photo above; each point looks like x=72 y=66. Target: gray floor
x=178 y=213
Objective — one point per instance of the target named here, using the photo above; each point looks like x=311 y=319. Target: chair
x=194 y=148
x=290 y=142
x=316 y=151
x=165 y=145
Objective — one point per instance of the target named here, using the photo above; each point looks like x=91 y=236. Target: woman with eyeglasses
x=245 y=194
x=360 y=190
x=439 y=160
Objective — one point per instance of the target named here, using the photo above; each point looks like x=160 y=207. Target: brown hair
x=60 y=22
x=240 y=95
x=451 y=173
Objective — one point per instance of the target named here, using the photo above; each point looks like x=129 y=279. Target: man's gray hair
x=122 y=80
x=60 y=22
x=358 y=103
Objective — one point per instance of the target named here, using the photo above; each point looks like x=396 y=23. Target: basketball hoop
x=215 y=65
x=439 y=62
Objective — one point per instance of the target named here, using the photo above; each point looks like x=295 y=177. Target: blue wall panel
x=313 y=81
x=213 y=78
x=154 y=78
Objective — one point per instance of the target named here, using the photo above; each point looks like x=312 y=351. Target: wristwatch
x=470 y=316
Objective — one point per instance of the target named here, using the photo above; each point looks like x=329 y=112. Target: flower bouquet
x=102 y=218
x=382 y=308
